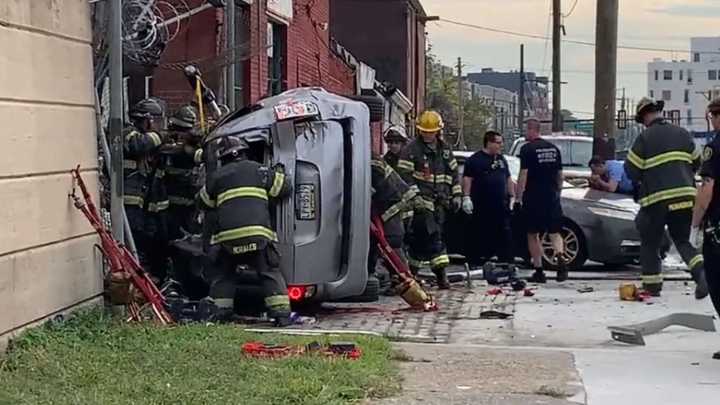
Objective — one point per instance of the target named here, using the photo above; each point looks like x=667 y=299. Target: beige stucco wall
x=47 y=263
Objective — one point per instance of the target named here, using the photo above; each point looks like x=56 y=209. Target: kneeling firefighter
x=391 y=199
x=239 y=193
x=428 y=164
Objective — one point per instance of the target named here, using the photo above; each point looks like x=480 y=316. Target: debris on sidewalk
x=634 y=334
x=631 y=292
x=585 y=290
x=494 y=291
x=529 y=292
x=716 y=356
x=492 y=314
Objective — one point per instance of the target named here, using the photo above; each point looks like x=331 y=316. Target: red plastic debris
x=529 y=292
x=494 y=291
x=261 y=350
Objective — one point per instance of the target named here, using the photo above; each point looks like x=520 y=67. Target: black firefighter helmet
x=184 y=118
x=231 y=148
x=147 y=108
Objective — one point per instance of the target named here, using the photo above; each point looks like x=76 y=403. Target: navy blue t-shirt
x=543 y=162
x=489 y=180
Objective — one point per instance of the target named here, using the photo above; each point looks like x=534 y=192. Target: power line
x=572 y=9
x=570 y=41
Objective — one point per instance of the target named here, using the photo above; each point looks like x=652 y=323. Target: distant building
x=503 y=102
x=536 y=89
x=685 y=85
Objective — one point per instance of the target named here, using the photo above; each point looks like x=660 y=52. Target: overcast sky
x=666 y=24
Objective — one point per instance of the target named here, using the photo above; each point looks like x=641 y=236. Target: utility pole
x=622 y=103
x=116 y=121
x=606 y=31
x=461 y=107
x=557 y=119
x=230 y=79
x=521 y=96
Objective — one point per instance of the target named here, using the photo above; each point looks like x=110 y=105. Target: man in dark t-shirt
x=539 y=188
x=487 y=188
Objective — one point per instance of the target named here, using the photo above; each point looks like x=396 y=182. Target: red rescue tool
x=123 y=265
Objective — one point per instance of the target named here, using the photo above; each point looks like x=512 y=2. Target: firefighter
x=428 y=164
x=391 y=198
x=145 y=195
x=239 y=193
x=182 y=157
x=396 y=140
x=707 y=209
x=662 y=164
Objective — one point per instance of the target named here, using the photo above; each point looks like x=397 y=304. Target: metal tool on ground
x=346 y=350
x=468 y=278
x=123 y=265
x=409 y=289
x=634 y=334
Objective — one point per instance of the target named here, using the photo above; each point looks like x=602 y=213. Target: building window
x=681 y=74
x=689 y=117
x=667 y=74
x=689 y=76
x=712 y=74
x=241 y=91
x=666 y=95
x=657 y=73
x=686 y=97
x=696 y=57
x=276 y=42
x=652 y=94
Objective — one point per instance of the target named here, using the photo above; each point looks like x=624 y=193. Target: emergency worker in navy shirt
x=539 y=186
x=487 y=189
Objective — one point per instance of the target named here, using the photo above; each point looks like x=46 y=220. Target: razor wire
x=149 y=25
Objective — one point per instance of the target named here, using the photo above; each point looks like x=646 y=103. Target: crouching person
x=239 y=193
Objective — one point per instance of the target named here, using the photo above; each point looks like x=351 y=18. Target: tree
x=442 y=96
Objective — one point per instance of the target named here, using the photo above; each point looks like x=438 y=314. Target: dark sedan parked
x=597 y=226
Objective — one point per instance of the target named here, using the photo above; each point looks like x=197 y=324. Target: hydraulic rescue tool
x=409 y=289
x=123 y=265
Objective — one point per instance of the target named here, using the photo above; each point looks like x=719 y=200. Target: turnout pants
x=491 y=236
x=395 y=235
x=150 y=233
x=651 y=222
x=426 y=241
x=711 y=253
x=224 y=280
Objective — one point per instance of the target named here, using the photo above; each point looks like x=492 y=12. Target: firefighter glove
x=467 y=205
x=695 y=236
x=457 y=203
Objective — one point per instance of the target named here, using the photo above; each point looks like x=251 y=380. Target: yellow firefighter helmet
x=430 y=121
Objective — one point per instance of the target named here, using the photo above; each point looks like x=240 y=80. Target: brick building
x=388 y=35
x=280 y=44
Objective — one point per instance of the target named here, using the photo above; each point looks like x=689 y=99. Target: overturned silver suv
x=323 y=140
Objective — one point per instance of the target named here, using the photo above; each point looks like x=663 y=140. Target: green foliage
x=442 y=96
x=94 y=359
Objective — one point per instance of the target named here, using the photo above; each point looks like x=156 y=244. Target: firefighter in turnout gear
x=145 y=197
x=428 y=165
x=706 y=215
x=239 y=193
x=396 y=140
x=662 y=164
x=181 y=160
x=391 y=198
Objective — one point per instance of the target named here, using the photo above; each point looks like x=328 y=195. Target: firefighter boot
x=538 y=277
x=654 y=289
x=442 y=279
x=562 y=271
x=701 y=285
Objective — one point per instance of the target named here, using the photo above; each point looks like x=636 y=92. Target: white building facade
x=685 y=86
x=504 y=102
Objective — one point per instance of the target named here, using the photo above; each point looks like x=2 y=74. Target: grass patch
x=93 y=359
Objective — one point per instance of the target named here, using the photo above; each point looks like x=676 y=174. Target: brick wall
x=309 y=62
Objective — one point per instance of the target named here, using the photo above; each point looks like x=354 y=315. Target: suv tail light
x=300 y=292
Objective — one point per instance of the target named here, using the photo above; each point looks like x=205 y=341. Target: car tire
x=376 y=105
x=575 y=245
